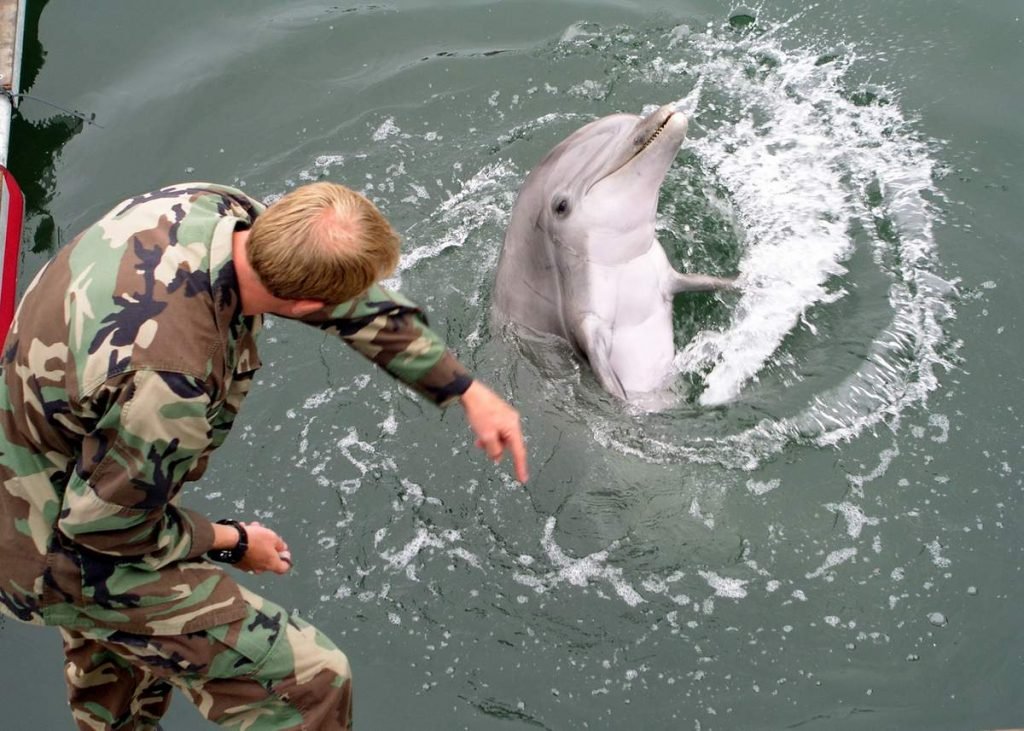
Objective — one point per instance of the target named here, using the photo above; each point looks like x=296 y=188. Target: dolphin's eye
x=561 y=206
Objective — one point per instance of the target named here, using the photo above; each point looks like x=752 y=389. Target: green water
x=835 y=545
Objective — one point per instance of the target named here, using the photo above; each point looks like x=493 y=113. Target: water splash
x=800 y=163
x=810 y=165
x=689 y=103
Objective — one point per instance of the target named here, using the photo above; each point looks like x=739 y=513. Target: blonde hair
x=324 y=242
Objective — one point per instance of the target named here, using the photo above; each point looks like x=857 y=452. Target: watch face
x=226 y=555
x=231 y=555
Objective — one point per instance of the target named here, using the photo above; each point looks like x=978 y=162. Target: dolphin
x=581 y=259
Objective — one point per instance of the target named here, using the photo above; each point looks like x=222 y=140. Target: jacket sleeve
x=152 y=430
x=393 y=332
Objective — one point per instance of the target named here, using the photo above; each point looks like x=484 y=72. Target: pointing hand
x=496 y=425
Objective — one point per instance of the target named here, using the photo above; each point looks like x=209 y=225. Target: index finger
x=518 y=449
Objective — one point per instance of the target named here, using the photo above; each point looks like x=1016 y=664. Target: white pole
x=5 y=128
x=19 y=41
x=6 y=105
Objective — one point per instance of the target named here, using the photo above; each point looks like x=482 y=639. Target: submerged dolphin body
x=581 y=259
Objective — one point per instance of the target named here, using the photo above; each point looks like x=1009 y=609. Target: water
x=823 y=532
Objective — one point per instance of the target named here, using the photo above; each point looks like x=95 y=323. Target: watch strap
x=231 y=555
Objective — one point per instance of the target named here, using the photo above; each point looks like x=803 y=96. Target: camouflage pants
x=266 y=672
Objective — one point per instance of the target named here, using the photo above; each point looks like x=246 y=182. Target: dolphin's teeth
x=652 y=139
x=657 y=132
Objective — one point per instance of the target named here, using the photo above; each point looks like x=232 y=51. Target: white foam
x=387 y=128
x=328 y=161
x=319 y=399
x=466 y=555
x=762 y=488
x=390 y=424
x=402 y=557
x=941 y=423
x=413 y=492
x=350 y=441
x=854 y=516
x=885 y=458
x=579 y=572
x=935 y=549
x=832 y=560
x=725 y=587
x=695 y=512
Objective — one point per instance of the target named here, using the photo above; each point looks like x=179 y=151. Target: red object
x=12 y=215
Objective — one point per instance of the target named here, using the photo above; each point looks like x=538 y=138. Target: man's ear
x=301 y=308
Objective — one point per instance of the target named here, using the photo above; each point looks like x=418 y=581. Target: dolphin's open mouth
x=665 y=121
x=657 y=133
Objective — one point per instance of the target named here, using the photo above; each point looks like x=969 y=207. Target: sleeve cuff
x=202 y=533
x=459 y=386
x=445 y=381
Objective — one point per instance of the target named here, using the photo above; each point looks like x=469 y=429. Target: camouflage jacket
x=127 y=362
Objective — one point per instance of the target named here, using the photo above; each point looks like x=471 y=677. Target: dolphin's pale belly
x=642 y=355
x=637 y=308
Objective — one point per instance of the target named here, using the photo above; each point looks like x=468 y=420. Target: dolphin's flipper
x=596 y=342
x=699 y=283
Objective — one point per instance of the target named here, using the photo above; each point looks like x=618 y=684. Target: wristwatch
x=231 y=555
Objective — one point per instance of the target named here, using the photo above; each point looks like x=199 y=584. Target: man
x=128 y=360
